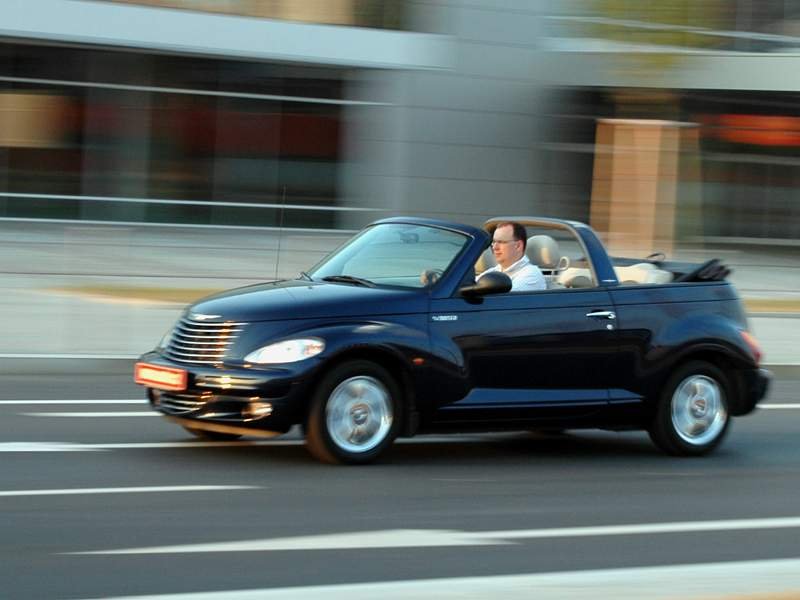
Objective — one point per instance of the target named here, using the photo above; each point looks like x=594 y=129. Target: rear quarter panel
x=662 y=326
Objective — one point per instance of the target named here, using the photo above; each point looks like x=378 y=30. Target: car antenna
x=280 y=231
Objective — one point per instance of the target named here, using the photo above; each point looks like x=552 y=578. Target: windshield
x=397 y=254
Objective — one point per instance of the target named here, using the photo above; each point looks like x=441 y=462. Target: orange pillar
x=635 y=184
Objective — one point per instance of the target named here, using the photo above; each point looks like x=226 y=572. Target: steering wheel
x=430 y=276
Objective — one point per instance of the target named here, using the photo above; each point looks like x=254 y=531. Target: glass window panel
x=72 y=139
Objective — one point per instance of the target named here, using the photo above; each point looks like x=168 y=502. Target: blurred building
x=330 y=113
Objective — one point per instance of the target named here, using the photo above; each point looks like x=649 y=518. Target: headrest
x=543 y=251
x=485 y=261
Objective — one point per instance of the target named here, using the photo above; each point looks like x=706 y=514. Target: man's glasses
x=495 y=242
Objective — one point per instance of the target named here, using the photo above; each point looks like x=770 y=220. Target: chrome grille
x=179 y=404
x=201 y=342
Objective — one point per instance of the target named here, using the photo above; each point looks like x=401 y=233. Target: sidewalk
x=45 y=310
x=41 y=263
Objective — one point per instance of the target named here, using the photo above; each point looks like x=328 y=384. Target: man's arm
x=489 y=270
x=528 y=279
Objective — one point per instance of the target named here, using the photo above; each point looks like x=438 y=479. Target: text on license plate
x=164 y=378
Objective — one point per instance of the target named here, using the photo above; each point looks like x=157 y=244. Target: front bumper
x=255 y=401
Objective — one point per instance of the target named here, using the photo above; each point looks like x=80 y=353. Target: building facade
x=328 y=114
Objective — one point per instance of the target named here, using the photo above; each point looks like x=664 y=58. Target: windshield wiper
x=349 y=279
x=306 y=276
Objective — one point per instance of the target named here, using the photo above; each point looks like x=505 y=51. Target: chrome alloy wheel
x=698 y=410
x=359 y=415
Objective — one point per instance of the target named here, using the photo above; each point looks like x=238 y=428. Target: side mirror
x=490 y=283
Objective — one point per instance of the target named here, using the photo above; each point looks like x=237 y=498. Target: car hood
x=298 y=299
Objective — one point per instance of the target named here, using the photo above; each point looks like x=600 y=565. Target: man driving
x=508 y=246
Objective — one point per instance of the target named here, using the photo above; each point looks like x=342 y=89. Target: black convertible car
x=392 y=335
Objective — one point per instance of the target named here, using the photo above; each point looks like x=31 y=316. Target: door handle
x=602 y=314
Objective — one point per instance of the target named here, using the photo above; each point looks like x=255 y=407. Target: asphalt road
x=103 y=499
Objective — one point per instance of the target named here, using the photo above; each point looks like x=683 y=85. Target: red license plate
x=163 y=378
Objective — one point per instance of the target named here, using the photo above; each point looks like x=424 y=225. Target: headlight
x=287 y=352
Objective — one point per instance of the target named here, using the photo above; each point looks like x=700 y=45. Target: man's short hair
x=520 y=232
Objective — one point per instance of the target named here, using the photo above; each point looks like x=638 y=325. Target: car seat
x=485 y=261
x=543 y=251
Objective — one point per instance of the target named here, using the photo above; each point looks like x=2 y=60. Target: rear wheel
x=549 y=431
x=354 y=415
x=692 y=415
x=217 y=436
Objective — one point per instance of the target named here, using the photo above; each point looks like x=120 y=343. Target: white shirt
x=525 y=276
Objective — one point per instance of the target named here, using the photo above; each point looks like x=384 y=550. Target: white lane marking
x=126 y=490
x=72 y=402
x=390 y=538
x=462 y=480
x=716 y=580
x=44 y=447
x=779 y=406
x=70 y=447
x=76 y=447
x=120 y=413
x=417 y=538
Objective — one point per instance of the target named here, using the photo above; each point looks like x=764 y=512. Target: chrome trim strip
x=205 y=343
x=220 y=415
x=183 y=353
x=202 y=343
x=218 y=329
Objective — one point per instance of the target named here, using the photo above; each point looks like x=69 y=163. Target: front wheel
x=692 y=414
x=354 y=415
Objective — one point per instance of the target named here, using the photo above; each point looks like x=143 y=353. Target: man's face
x=505 y=248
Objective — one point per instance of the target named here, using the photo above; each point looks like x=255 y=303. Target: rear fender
x=713 y=338
x=700 y=332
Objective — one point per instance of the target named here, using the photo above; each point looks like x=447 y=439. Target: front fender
x=403 y=341
x=434 y=369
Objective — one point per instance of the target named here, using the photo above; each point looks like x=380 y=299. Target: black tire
x=364 y=400
x=693 y=415
x=212 y=436
x=549 y=431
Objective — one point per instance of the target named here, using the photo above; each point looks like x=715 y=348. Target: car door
x=528 y=355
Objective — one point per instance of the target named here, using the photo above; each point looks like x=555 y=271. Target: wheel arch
x=394 y=365
x=722 y=358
